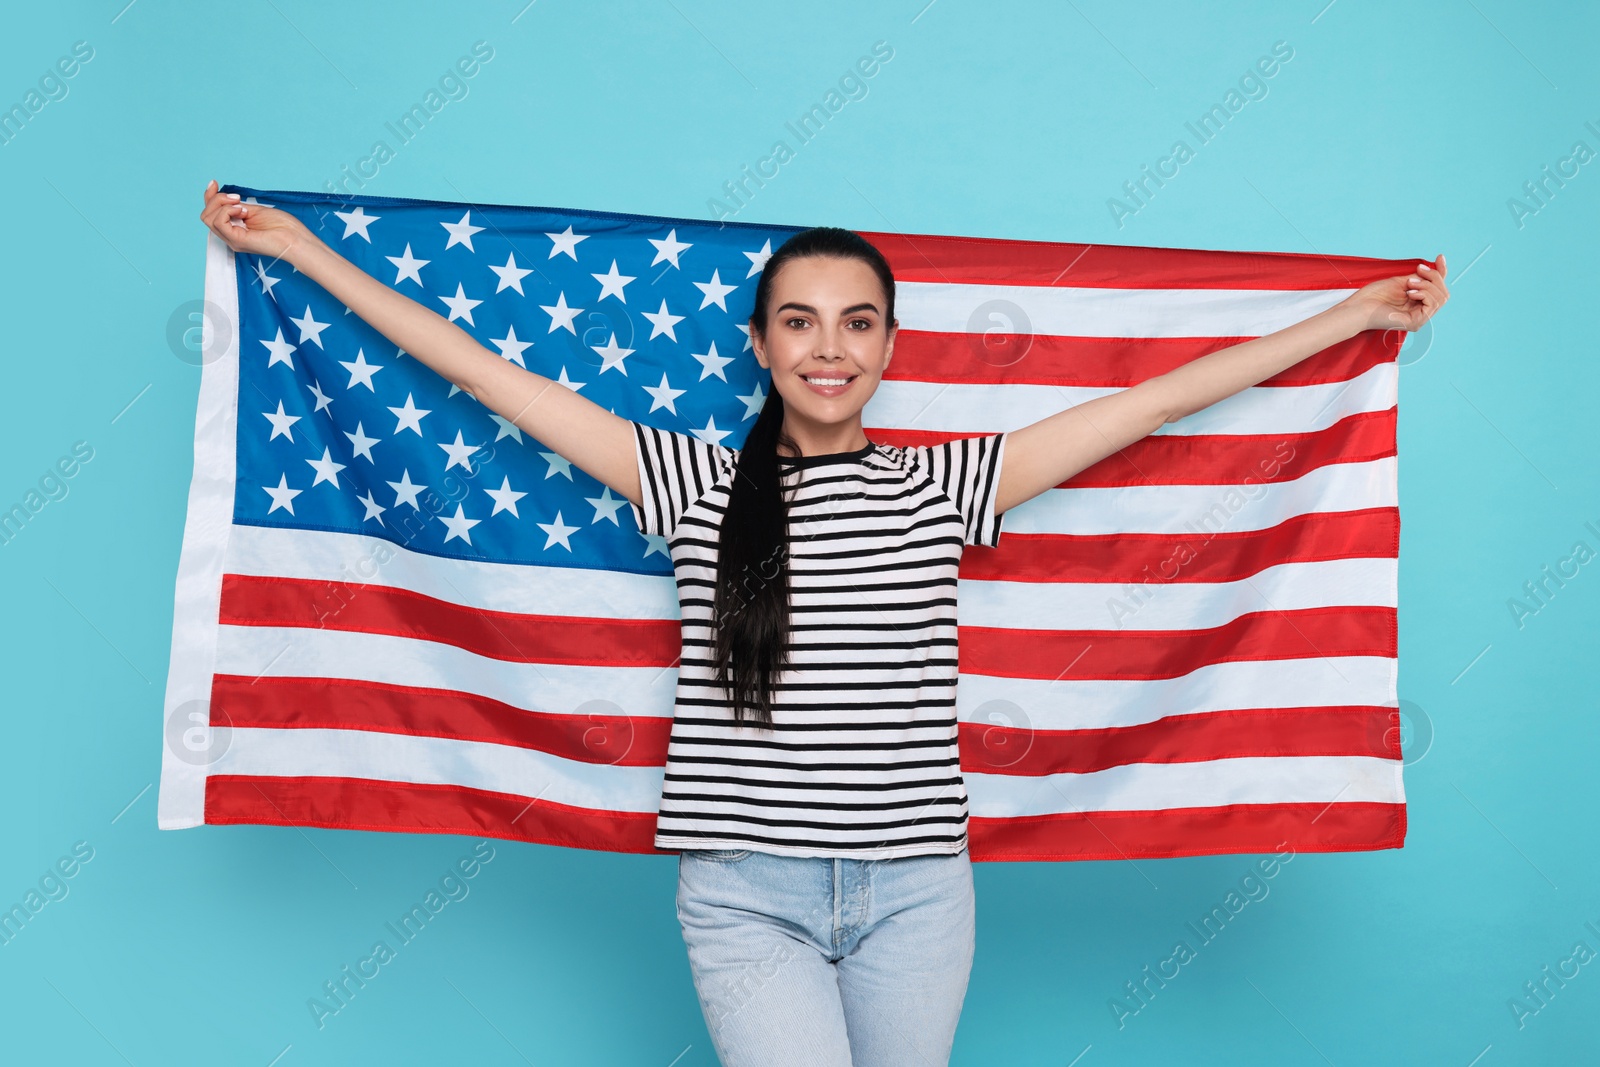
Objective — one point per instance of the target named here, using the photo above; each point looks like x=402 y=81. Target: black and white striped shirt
x=862 y=757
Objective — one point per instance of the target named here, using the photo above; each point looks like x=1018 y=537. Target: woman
x=812 y=785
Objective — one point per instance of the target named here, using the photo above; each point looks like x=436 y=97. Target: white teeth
x=826 y=381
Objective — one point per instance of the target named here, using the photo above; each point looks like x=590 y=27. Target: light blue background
x=1395 y=130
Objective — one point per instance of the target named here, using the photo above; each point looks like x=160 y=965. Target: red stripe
x=405 y=807
x=1221 y=460
x=365 y=804
x=1019 y=749
x=250 y=600
x=1309 y=633
x=342 y=704
x=1009 y=652
x=1105 y=362
x=1152 y=560
x=1065 y=264
x=1116 y=835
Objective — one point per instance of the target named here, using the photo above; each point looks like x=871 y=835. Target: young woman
x=812 y=786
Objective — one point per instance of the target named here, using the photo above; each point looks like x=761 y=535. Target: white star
x=559 y=464
x=671 y=248
x=611 y=283
x=566 y=242
x=265 y=280
x=357 y=221
x=568 y=382
x=744 y=328
x=374 y=509
x=758 y=260
x=405 y=492
x=505 y=498
x=654 y=543
x=408 y=266
x=507 y=429
x=711 y=363
x=561 y=316
x=709 y=433
x=361 y=371
x=282 y=495
x=460 y=307
x=714 y=290
x=511 y=275
x=410 y=417
x=459 y=453
x=662 y=322
x=361 y=443
x=558 y=531
x=458 y=526
x=322 y=401
x=327 y=470
x=606 y=506
x=281 y=423
x=310 y=328
x=754 y=402
x=510 y=347
x=664 y=395
x=461 y=232
x=281 y=351
x=612 y=355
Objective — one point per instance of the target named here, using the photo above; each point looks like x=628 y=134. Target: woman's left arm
x=1046 y=453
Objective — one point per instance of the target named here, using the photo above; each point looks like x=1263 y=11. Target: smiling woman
x=812 y=783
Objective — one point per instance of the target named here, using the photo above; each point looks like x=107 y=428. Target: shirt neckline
x=829 y=457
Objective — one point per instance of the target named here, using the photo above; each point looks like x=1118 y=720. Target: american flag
x=397 y=611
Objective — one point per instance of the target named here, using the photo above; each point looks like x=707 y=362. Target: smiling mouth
x=827 y=382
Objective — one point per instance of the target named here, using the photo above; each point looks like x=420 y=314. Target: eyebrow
x=814 y=311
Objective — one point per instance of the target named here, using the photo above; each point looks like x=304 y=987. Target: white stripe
x=1154 y=786
x=942 y=307
x=521 y=772
x=1158 y=605
x=528 y=589
x=1068 y=703
x=1258 y=410
x=307 y=652
x=206 y=524
x=1203 y=510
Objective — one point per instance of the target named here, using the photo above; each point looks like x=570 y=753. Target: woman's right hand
x=253 y=228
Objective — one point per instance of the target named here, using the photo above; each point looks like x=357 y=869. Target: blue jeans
x=823 y=961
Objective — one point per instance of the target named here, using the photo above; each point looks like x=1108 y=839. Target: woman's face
x=825 y=325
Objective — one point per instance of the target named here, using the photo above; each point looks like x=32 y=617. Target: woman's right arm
x=597 y=440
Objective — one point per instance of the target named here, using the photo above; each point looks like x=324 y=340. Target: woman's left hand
x=1404 y=302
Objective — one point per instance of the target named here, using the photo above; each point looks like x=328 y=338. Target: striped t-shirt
x=861 y=760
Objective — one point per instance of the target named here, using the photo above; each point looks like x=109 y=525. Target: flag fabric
x=397 y=611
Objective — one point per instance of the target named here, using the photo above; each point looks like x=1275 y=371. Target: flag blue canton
x=339 y=430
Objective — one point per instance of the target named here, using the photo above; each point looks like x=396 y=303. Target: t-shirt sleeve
x=675 y=470
x=968 y=470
